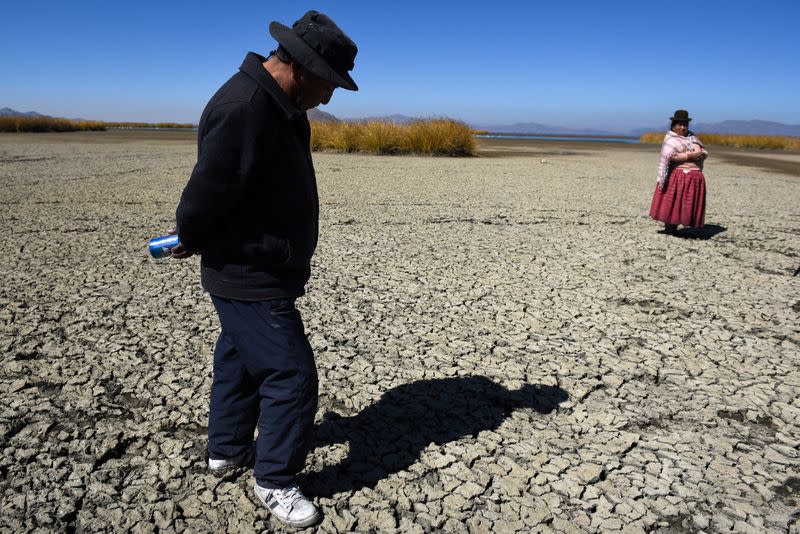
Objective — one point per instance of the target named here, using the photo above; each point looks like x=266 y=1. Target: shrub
x=436 y=137
x=47 y=124
x=148 y=125
x=774 y=142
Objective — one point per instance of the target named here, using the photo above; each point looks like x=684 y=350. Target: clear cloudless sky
x=608 y=65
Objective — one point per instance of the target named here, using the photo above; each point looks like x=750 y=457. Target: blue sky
x=609 y=65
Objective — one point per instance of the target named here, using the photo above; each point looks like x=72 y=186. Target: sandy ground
x=505 y=344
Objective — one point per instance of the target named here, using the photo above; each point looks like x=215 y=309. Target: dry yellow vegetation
x=436 y=137
x=774 y=142
x=55 y=124
x=149 y=125
x=47 y=124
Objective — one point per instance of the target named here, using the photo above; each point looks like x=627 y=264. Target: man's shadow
x=388 y=436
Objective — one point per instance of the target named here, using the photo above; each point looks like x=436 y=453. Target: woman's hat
x=680 y=115
x=317 y=43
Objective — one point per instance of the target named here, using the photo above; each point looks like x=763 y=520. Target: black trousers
x=264 y=377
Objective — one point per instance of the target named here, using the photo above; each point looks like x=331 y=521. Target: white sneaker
x=289 y=505
x=221 y=466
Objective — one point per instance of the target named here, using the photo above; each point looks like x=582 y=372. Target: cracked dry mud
x=504 y=345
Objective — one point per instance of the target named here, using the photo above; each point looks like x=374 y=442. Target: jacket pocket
x=270 y=250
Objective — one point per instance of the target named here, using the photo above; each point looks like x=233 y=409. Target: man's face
x=310 y=90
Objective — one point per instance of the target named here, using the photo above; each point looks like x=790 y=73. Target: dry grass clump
x=47 y=124
x=774 y=142
x=54 y=124
x=338 y=136
x=434 y=137
x=652 y=137
x=148 y=125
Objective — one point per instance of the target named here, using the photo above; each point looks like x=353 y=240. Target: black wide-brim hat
x=680 y=115
x=317 y=43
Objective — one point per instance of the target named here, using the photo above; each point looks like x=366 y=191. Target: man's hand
x=179 y=252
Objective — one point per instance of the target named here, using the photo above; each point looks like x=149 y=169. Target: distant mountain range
x=321 y=116
x=397 y=118
x=537 y=128
x=313 y=114
x=754 y=127
x=8 y=112
x=748 y=128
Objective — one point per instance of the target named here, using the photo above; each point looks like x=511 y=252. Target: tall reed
x=773 y=142
x=55 y=124
x=47 y=124
x=435 y=137
x=149 y=125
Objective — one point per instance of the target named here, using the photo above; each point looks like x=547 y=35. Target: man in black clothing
x=251 y=210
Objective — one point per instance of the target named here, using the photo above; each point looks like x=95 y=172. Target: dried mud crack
x=503 y=346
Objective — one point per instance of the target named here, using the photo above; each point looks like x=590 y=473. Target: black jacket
x=251 y=207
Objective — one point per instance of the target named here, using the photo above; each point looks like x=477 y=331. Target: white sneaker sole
x=245 y=462
x=296 y=524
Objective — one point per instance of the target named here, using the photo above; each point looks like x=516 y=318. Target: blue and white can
x=161 y=247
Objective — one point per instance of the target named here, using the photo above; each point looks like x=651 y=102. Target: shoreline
x=778 y=161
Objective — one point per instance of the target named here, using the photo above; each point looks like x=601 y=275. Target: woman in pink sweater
x=680 y=195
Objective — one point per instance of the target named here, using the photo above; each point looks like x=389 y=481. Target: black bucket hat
x=680 y=115
x=317 y=43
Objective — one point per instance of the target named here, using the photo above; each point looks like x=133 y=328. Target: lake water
x=556 y=138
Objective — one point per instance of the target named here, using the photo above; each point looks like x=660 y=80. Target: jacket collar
x=253 y=67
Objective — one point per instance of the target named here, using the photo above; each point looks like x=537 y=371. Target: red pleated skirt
x=683 y=200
